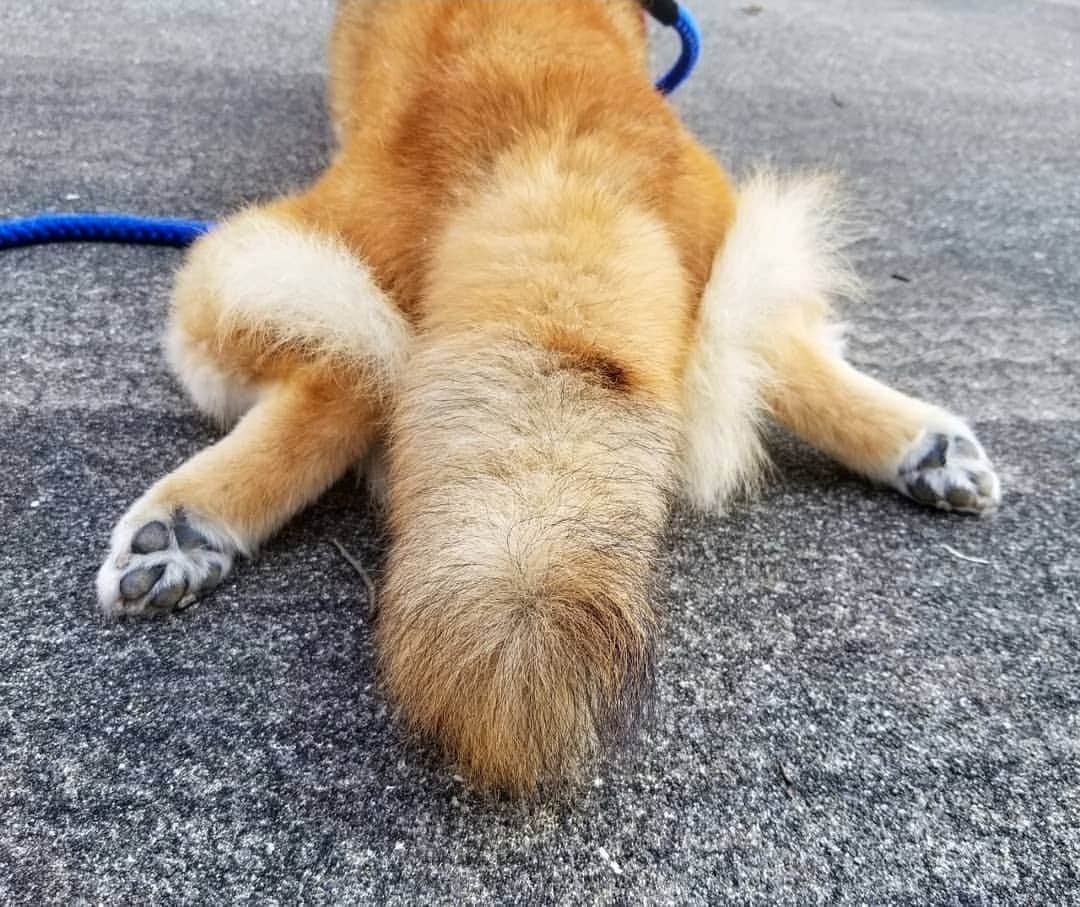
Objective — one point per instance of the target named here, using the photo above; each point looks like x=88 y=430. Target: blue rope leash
x=169 y=231
x=122 y=228
x=669 y=13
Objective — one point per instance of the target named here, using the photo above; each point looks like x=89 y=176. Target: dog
x=523 y=282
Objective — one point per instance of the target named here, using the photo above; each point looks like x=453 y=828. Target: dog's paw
x=949 y=469
x=162 y=561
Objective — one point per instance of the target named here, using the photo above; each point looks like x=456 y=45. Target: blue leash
x=122 y=228
x=169 y=231
x=669 y=13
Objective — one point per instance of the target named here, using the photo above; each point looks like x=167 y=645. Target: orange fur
x=505 y=270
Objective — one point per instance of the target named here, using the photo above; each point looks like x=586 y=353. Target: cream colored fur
x=527 y=501
x=222 y=396
x=782 y=260
x=547 y=225
x=299 y=289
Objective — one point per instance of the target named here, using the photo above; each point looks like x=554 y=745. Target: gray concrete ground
x=846 y=712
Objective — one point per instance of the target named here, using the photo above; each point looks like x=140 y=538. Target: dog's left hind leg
x=179 y=540
x=278 y=325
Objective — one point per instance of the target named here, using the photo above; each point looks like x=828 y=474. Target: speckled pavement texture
x=846 y=713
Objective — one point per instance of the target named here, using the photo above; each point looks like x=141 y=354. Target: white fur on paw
x=949 y=469
x=162 y=560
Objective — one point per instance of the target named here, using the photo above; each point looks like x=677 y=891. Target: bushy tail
x=527 y=498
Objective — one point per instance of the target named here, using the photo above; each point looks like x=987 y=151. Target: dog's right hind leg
x=921 y=450
x=766 y=347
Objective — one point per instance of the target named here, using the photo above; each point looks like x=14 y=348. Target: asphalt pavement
x=858 y=701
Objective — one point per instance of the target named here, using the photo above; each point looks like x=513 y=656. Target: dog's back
x=436 y=102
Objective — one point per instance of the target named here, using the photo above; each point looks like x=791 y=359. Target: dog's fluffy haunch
x=524 y=279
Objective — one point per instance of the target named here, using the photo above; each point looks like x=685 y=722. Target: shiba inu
x=523 y=279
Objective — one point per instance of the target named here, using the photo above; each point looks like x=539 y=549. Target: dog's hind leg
x=766 y=347
x=281 y=327
x=919 y=449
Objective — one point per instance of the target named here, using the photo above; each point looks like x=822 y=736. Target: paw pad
x=950 y=471
x=163 y=564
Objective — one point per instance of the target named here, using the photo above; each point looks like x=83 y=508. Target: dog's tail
x=528 y=493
